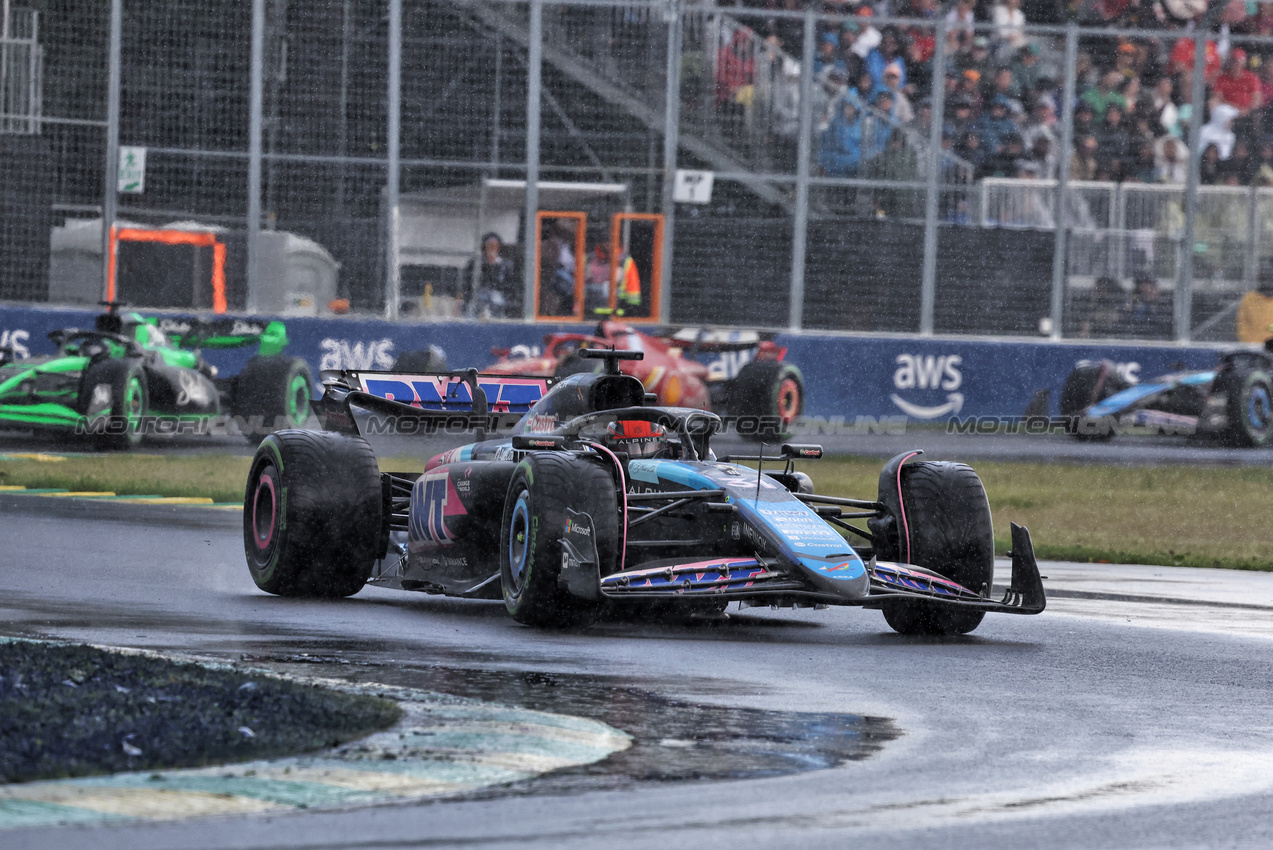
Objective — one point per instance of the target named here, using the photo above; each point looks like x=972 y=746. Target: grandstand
x=933 y=217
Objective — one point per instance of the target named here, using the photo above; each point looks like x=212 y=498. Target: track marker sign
x=693 y=187
x=132 y=170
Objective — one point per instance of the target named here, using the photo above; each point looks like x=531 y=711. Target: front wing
x=46 y=415
x=761 y=578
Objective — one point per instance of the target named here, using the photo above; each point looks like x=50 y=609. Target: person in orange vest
x=629 y=282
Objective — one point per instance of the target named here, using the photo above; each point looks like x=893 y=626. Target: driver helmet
x=637 y=437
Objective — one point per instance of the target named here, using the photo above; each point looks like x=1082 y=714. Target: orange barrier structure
x=656 y=264
x=172 y=237
x=581 y=235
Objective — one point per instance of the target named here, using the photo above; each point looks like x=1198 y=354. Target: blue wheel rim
x=519 y=539
x=1258 y=409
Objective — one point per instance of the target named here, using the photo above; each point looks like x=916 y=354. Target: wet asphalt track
x=1133 y=721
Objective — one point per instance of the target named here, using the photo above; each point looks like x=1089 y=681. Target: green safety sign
x=132 y=170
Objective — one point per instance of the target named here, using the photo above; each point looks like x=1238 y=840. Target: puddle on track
x=674 y=740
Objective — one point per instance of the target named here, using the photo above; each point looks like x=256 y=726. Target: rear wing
x=193 y=332
x=427 y=399
x=718 y=339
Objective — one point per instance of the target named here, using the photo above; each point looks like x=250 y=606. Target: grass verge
x=70 y=711
x=216 y=476
x=1181 y=516
x=1176 y=516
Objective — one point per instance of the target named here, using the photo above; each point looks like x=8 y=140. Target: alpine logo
x=929 y=372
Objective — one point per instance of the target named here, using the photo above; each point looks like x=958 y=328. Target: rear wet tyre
x=312 y=514
x=950 y=533
x=272 y=393
x=771 y=391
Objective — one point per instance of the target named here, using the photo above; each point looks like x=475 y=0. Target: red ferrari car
x=737 y=373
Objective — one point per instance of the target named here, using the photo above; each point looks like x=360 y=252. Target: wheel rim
x=1259 y=409
x=133 y=401
x=788 y=400
x=133 y=407
x=519 y=540
x=297 y=396
x=264 y=509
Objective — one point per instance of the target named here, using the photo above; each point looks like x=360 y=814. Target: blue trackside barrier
x=920 y=378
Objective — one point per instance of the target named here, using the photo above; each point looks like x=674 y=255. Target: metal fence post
x=1251 y=256
x=110 y=188
x=928 y=286
x=255 y=107
x=1184 y=282
x=393 y=280
x=497 y=105
x=804 y=150
x=535 y=58
x=671 y=141
x=4 y=56
x=1060 y=242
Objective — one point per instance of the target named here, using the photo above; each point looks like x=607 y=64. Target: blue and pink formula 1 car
x=582 y=495
x=1230 y=404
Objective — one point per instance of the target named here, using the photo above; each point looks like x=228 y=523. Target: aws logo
x=347 y=354
x=17 y=341
x=929 y=372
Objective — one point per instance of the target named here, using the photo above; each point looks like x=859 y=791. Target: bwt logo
x=929 y=372
x=344 y=354
x=17 y=340
x=508 y=394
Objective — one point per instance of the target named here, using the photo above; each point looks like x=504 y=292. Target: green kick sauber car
x=131 y=376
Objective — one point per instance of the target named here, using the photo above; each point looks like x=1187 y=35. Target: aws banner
x=936 y=379
x=930 y=379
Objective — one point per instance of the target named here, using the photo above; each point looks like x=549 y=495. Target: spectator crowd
x=1004 y=103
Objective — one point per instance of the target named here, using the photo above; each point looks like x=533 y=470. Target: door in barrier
x=560 y=245
x=636 y=266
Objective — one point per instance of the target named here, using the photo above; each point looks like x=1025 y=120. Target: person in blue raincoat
x=841 y=148
x=889 y=52
x=995 y=126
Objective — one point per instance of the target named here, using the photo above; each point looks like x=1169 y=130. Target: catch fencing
x=359 y=152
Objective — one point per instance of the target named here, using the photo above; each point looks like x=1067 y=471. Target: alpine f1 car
x=598 y=497
x=738 y=373
x=112 y=382
x=1232 y=403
